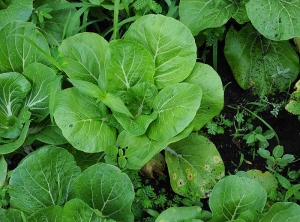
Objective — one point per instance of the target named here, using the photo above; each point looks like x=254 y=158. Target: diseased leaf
x=276 y=20
x=105 y=188
x=81 y=121
x=15 y=10
x=266 y=179
x=171 y=45
x=283 y=212
x=17 y=52
x=42 y=79
x=202 y=14
x=293 y=105
x=76 y=210
x=84 y=56
x=176 y=106
x=127 y=64
x=52 y=213
x=263 y=65
x=43 y=179
x=194 y=166
x=212 y=101
x=234 y=195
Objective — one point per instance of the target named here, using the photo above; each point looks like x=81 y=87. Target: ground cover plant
x=101 y=97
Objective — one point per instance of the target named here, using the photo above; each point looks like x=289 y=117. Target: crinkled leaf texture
x=15 y=10
x=81 y=120
x=174 y=214
x=84 y=56
x=127 y=64
x=10 y=215
x=258 y=63
x=176 y=106
x=212 y=101
x=16 y=51
x=202 y=14
x=277 y=20
x=234 y=195
x=105 y=188
x=41 y=78
x=51 y=213
x=42 y=179
x=170 y=43
x=194 y=166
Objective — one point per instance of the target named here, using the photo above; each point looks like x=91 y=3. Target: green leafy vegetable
x=259 y=63
x=176 y=106
x=105 y=188
x=43 y=179
x=171 y=45
x=81 y=121
x=180 y=214
x=276 y=20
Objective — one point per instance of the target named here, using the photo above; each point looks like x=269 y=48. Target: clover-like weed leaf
x=194 y=166
x=84 y=56
x=234 y=195
x=276 y=20
x=176 y=106
x=105 y=188
x=171 y=45
x=16 y=51
x=261 y=64
x=212 y=101
x=15 y=10
x=202 y=14
x=42 y=179
x=81 y=121
x=127 y=64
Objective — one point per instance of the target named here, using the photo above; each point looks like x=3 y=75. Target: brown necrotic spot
x=174 y=176
x=190 y=176
x=217 y=159
x=206 y=167
x=180 y=183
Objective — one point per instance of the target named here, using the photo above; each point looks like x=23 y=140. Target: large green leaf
x=51 y=213
x=171 y=45
x=84 y=56
x=81 y=121
x=276 y=20
x=180 y=214
x=265 y=66
x=194 y=166
x=16 y=51
x=234 y=195
x=14 y=88
x=42 y=179
x=283 y=212
x=127 y=64
x=213 y=94
x=202 y=14
x=10 y=215
x=105 y=188
x=41 y=78
x=176 y=106
x=76 y=210
x=14 y=10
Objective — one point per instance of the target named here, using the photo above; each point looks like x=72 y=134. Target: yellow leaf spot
x=190 y=176
x=174 y=176
x=207 y=167
x=180 y=183
x=217 y=159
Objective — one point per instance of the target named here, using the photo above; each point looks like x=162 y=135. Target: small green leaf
x=278 y=151
x=264 y=153
x=116 y=104
x=88 y=88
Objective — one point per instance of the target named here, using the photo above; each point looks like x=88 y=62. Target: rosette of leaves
x=144 y=91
